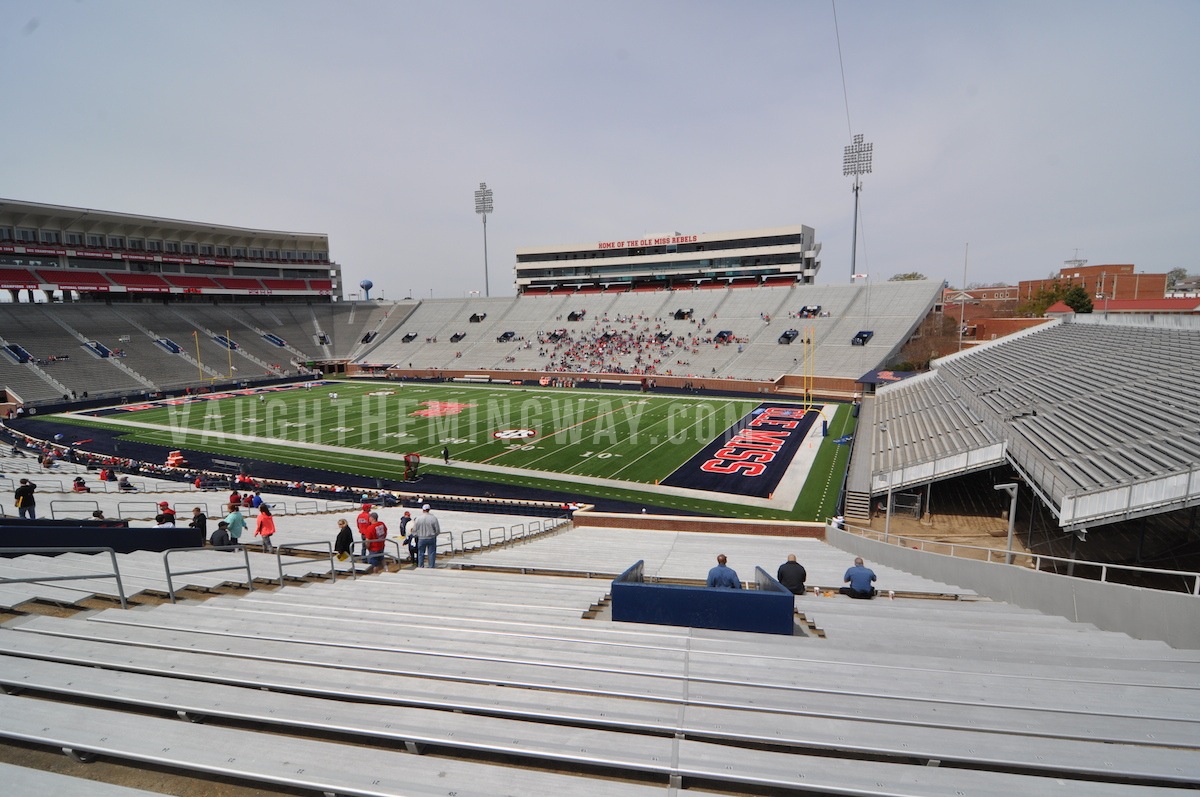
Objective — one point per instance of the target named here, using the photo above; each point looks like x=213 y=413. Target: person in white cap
x=425 y=528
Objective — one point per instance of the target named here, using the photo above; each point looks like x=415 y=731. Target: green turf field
x=578 y=442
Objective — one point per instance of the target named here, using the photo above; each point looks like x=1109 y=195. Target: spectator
x=376 y=533
x=165 y=509
x=362 y=523
x=792 y=575
x=723 y=576
x=98 y=515
x=859 y=579
x=77 y=486
x=124 y=485
x=162 y=521
x=236 y=522
x=199 y=522
x=409 y=539
x=426 y=529
x=26 y=503
x=220 y=538
x=344 y=544
x=265 y=528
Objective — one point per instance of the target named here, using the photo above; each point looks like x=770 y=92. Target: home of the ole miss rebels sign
x=668 y=239
x=751 y=456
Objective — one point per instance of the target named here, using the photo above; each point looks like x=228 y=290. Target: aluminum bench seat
x=395 y=591
x=31 y=566
x=640 y=640
x=14 y=595
x=754 y=684
x=713 y=711
x=658 y=676
x=28 y=782
x=293 y=762
x=416 y=727
x=404 y=689
x=854 y=777
x=879 y=631
x=262 y=566
x=445 y=641
x=196 y=700
x=376 y=659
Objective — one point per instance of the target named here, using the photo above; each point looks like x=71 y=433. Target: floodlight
x=483 y=206
x=857 y=158
x=856 y=161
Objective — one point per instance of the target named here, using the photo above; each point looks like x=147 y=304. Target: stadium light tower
x=483 y=206
x=856 y=162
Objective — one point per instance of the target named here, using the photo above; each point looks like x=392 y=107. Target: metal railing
x=473 y=539
x=303 y=546
x=1032 y=560
x=363 y=557
x=66 y=507
x=112 y=555
x=167 y=566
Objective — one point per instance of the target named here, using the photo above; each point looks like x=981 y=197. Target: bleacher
x=48 y=335
x=491 y=683
x=1100 y=414
x=893 y=309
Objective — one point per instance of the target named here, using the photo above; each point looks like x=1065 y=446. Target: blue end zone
x=751 y=456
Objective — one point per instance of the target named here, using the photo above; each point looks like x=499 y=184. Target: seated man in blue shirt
x=722 y=576
x=859 y=578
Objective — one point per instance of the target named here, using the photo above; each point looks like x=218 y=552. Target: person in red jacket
x=265 y=528
x=362 y=523
x=375 y=535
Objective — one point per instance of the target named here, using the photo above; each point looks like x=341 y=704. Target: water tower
x=366 y=285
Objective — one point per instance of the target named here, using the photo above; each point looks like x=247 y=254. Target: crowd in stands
x=628 y=344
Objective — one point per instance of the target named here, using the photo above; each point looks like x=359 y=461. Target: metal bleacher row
x=1086 y=406
x=891 y=310
x=478 y=682
x=48 y=331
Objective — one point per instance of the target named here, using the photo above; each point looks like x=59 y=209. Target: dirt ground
x=952 y=530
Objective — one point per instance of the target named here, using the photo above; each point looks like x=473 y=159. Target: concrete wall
x=779 y=528
x=1171 y=617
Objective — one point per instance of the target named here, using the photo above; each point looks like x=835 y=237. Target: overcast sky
x=1029 y=130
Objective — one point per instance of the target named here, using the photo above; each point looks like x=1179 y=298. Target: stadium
x=637 y=408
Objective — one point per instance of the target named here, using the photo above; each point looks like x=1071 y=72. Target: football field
x=733 y=456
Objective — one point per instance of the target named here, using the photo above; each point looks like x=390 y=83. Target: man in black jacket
x=23 y=496
x=792 y=575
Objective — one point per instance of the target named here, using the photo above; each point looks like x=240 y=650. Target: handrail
x=112 y=555
x=60 y=503
x=1035 y=559
x=364 y=556
x=304 y=546
x=167 y=565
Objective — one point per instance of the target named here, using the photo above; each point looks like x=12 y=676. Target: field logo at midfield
x=438 y=409
x=751 y=456
x=514 y=434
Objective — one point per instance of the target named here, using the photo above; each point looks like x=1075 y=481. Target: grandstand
x=756 y=316
x=1098 y=416
x=502 y=673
